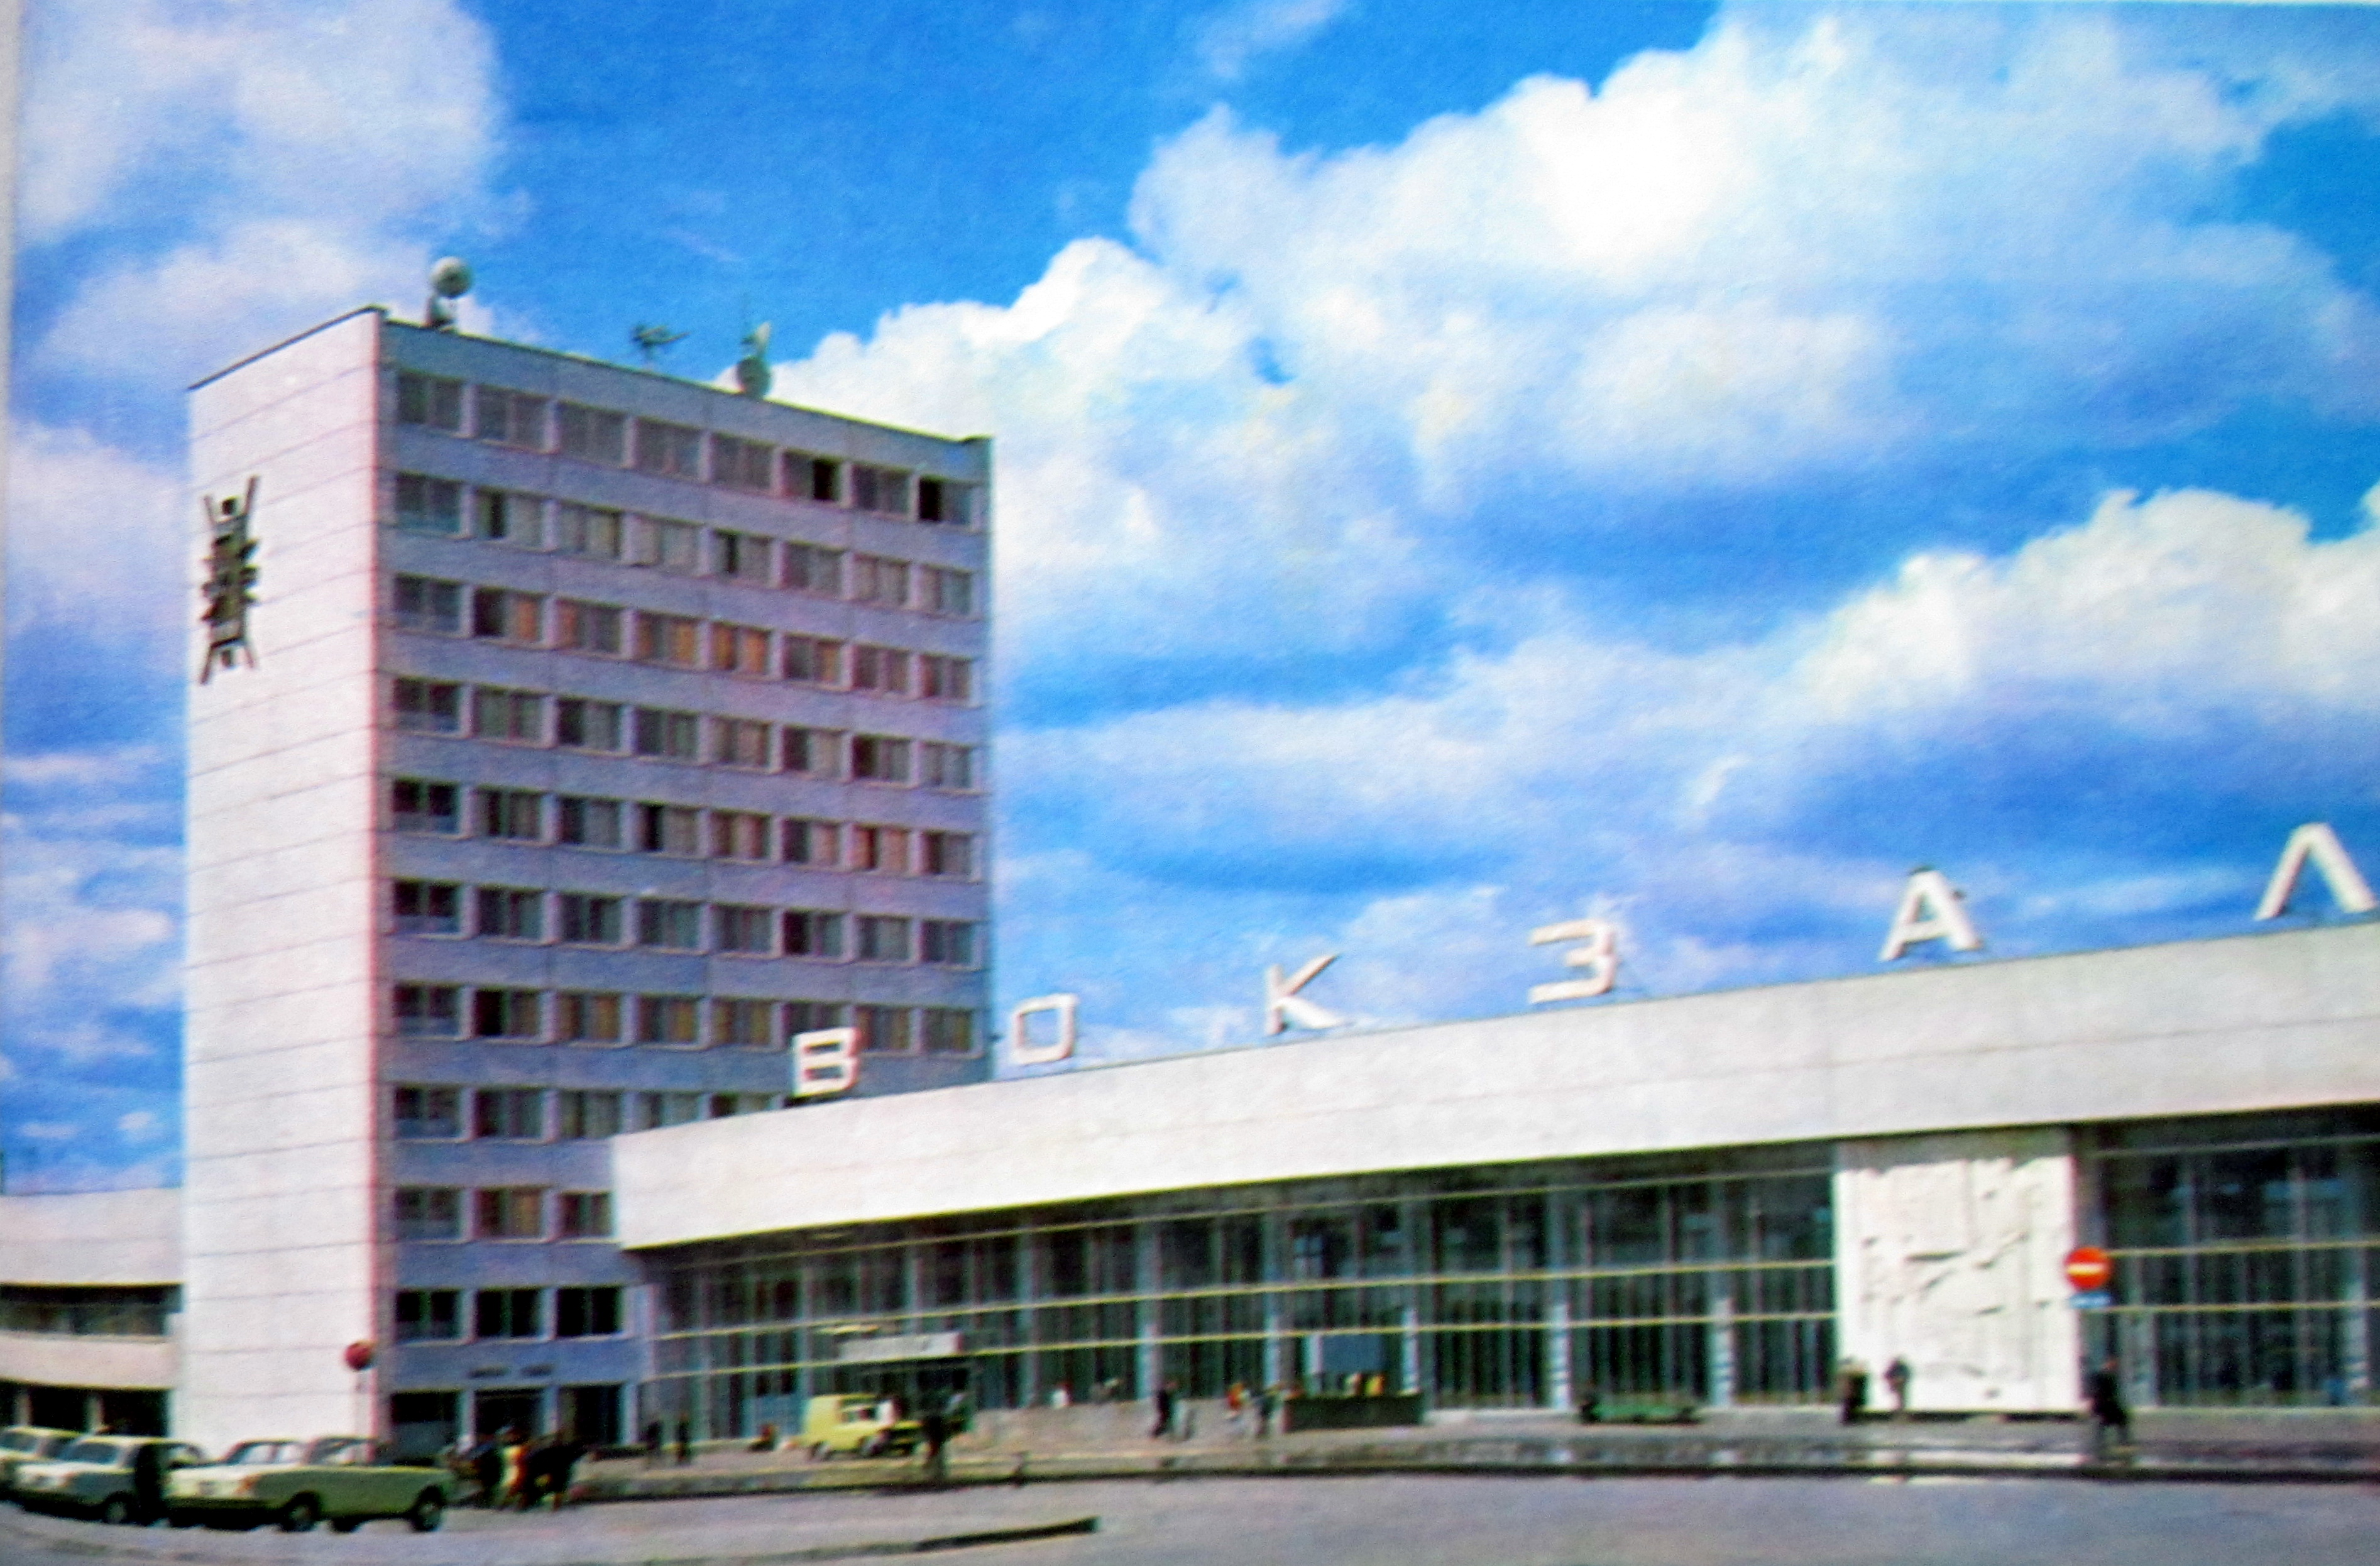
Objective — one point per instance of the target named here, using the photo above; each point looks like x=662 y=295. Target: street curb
x=856 y=1550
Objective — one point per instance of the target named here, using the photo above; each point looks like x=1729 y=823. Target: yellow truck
x=856 y=1422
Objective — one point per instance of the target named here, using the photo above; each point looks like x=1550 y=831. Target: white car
x=296 y=1483
x=92 y=1477
x=20 y=1444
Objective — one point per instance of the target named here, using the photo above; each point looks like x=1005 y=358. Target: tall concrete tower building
x=589 y=735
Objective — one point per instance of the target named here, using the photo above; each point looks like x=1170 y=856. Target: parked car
x=28 y=1443
x=298 y=1484
x=93 y=1478
x=856 y=1422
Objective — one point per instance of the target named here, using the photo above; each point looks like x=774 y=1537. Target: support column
x=1270 y=1264
x=1721 y=1370
x=1409 y=1343
x=1560 y=1218
x=1145 y=1308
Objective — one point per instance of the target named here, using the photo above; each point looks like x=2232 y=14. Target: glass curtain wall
x=2246 y=1251
x=1707 y=1278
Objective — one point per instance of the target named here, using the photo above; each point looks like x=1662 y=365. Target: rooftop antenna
x=651 y=340
x=752 y=371
x=450 y=279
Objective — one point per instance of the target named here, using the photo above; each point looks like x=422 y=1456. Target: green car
x=92 y=1477
x=20 y=1444
x=298 y=1484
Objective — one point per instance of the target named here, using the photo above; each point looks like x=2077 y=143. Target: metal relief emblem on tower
x=231 y=581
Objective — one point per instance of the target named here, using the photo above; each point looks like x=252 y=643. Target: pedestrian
x=1235 y=1406
x=2111 y=1422
x=935 y=1426
x=549 y=1467
x=1164 y=1425
x=148 y=1482
x=1851 y=1385
x=1268 y=1404
x=652 y=1443
x=516 y=1494
x=684 y=1442
x=1895 y=1377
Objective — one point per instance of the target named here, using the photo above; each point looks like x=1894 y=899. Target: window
x=878 y=580
x=743 y=557
x=506 y=1313
x=587 y=628
x=813 y=478
x=742 y=1023
x=946 y=766
x=950 y=942
x=587 y=531
x=739 y=835
x=511 y=813
x=811 y=843
x=945 y=592
x=880 y=848
x=812 y=751
x=743 y=929
x=668 y=829
x=739 y=649
x=669 y=546
x=811 y=569
x=590 y=1312
x=513 y=419
x=669 y=924
x=744 y=465
x=515 y=716
x=429 y=1212
x=882 y=939
x=669 y=638
x=945 y=854
x=587 y=823
x=510 y=518
x=592 y=434
x=879 y=757
x=585 y=1215
x=879 y=668
x=947 y=1030
x=881 y=489
x=417 y=805
x=812 y=933
x=813 y=660
x=428 y=707
x=657 y=1110
x=668 y=736
x=509 y=1114
x=586 y=919
x=511 y=913
x=428 y=907
x=939 y=500
x=506 y=1014
x=668 y=448
x=668 y=1019
x=885 y=1030
x=429 y=1114
x=811 y=1016
x=588 y=1115
x=429 y=505
x=503 y=615
x=424 y=603
x=432 y=401
x=944 y=679
x=429 y=1011
x=739 y=742
x=580 y=724
x=581 y=1017
x=428 y=1316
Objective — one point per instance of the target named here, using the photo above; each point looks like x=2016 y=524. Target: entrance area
x=496 y=1409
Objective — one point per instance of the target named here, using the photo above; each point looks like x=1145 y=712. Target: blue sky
x=1461 y=466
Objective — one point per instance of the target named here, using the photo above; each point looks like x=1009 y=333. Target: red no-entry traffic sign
x=2087 y=1268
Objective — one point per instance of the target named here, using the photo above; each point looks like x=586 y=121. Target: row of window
x=598 y=918
x=502 y=1212
x=425 y=806
x=609 y=1018
x=433 y=605
x=659 y=734
x=433 y=1316
x=523 y=420
x=446 y=1112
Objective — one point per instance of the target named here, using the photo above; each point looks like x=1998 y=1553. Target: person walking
x=934 y=1425
x=1897 y=1378
x=652 y=1443
x=2111 y=1422
x=1851 y=1384
x=684 y=1442
x=517 y=1495
x=1164 y=1425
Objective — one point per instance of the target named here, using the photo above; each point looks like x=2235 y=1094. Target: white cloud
x=49 y=1131
x=1232 y=38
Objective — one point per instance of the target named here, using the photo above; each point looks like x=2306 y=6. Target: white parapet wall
x=83 y=1240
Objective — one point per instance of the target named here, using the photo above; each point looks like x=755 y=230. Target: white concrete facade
x=95 y=1240
x=351 y=1059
